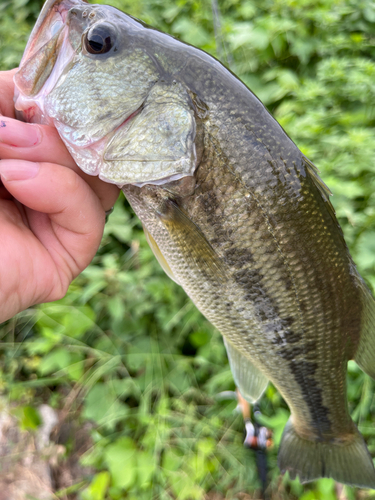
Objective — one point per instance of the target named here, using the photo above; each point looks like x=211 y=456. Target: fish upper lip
x=53 y=15
x=51 y=9
x=53 y=42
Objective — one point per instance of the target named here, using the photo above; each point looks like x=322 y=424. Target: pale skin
x=52 y=215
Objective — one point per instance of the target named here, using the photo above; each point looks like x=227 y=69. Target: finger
x=72 y=230
x=41 y=143
x=7 y=92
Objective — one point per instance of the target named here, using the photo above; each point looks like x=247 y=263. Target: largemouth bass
x=234 y=212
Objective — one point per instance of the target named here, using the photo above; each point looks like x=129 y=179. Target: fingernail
x=16 y=133
x=18 y=170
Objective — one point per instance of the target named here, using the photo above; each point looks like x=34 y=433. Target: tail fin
x=348 y=463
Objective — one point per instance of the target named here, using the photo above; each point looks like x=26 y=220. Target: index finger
x=7 y=92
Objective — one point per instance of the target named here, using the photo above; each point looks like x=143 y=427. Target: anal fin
x=249 y=380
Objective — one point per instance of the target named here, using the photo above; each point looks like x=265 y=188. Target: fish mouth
x=53 y=14
x=47 y=54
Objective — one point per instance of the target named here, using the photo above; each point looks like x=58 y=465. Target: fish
x=235 y=213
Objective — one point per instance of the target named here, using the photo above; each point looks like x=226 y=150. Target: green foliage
x=98 y=487
x=28 y=416
x=143 y=364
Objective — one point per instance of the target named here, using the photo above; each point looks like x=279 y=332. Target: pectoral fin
x=159 y=256
x=250 y=381
x=194 y=247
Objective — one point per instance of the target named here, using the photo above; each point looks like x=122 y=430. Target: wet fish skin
x=269 y=250
x=251 y=235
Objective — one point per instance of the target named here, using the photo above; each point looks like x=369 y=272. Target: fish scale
x=274 y=285
x=232 y=209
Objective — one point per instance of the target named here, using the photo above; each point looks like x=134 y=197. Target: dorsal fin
x=314 y=173
x=324 y=190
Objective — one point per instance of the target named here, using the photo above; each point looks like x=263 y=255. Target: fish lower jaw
x=160 y=182
x=90 y=160
x=28 y=111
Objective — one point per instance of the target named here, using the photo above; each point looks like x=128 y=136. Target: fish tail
x=348 y=462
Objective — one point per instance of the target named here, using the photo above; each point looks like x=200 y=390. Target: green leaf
x=146 y=466
x=28 y=416
x=102 y=406
x=366 y=250
x=98 y=487
x=120 y=458
x=54 y=361
x=190 y=31
x=200 y=338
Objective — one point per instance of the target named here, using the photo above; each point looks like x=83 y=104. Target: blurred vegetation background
x=125 y=349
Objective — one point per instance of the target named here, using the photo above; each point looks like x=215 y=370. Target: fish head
x=108 y=83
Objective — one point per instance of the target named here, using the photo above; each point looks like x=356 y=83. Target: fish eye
x=99 y=39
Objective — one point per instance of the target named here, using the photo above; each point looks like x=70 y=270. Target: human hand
x=52 y=215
